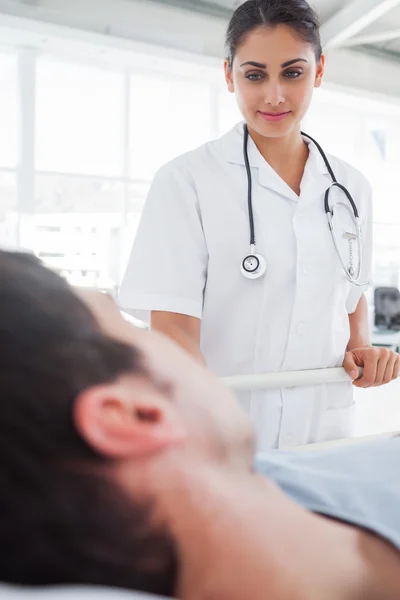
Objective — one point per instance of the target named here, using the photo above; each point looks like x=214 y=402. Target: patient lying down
x=125 y=463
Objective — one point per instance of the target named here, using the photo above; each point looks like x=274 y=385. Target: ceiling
x=226 y=7
x=361 y=37
x=370 y=26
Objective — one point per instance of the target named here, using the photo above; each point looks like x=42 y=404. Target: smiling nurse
x=234 y=258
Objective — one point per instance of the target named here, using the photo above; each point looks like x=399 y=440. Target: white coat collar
x=316 y=178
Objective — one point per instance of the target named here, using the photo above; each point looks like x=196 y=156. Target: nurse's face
x=273 y=76
x=184 y=396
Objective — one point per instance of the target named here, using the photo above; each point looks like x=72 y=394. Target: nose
x=274 y=94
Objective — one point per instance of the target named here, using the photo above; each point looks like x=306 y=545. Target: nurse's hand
x=380 y=365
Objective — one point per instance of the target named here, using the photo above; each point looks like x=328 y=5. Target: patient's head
x=88 y=405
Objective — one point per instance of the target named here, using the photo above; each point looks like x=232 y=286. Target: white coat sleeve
x=168 y=263
x=356 y=292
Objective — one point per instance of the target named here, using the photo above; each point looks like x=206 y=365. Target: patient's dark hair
x=253 y=14
x=62 y=518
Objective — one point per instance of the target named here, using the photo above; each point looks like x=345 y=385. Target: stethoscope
x=254 y=265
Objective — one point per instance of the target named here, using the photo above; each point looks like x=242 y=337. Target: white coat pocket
x=338 y=423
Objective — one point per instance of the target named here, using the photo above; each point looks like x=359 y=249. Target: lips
x=274 y=116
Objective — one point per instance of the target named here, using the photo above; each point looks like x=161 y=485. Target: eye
x=292 y=74
x=254 y=76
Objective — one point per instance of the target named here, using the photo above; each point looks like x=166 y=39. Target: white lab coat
x=193 y=236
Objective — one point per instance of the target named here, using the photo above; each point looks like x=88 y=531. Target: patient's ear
x=130 y=417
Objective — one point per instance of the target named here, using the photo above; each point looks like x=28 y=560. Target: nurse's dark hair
x=253 y=14
x=63 y=517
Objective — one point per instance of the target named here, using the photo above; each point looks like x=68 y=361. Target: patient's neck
x=240 y=537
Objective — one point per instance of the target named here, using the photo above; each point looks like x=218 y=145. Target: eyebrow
x=291 y=62
x=258 y=65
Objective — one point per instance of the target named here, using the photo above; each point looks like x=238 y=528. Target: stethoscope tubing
x=352 y=278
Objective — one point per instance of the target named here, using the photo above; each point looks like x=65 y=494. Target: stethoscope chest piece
x=253 y=266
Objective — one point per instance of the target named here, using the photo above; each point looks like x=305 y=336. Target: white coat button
x=301 y=328
x=306 y=270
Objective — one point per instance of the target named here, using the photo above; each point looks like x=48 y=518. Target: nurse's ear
x=228 y=76
x=320 y=71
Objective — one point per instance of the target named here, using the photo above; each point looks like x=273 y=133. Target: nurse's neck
x=287 y=155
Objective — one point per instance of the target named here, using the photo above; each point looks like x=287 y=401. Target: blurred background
x=96 y=94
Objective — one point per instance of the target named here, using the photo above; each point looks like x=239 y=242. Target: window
x=8 y=110
x=334 y=126
x=79 y=119
x=8 y=211
x=91 y=182
x=386 y=271
x=228 y=112
x=136 y=197
x=76 y=228
x=73 y=194
x=137 y=193
x=367 y=136
x=168 y=117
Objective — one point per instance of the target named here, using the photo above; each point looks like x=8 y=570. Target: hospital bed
x=302 y=378
x=70 y=593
